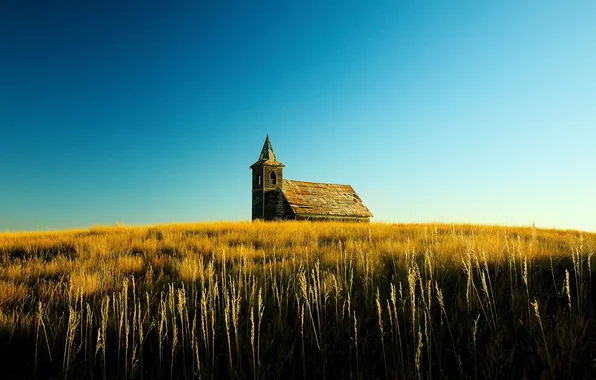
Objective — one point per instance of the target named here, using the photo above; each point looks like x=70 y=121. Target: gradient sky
x=434 y=111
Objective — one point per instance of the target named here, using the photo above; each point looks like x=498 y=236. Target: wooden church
x=275 y=198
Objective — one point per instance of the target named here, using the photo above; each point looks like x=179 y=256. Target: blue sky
x=434 y=111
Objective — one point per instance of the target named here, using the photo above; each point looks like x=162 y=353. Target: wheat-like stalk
x=537 y=314
x=356 y=342
x=381 y=332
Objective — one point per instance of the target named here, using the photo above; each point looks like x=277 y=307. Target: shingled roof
x=310 y=198
x=267 y=156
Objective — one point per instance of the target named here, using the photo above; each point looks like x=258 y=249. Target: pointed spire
x=267 y=151
x=267 y=156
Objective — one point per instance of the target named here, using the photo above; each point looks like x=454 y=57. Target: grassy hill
x=298 y=300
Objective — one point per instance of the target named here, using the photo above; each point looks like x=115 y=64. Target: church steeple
x=267 y=151
x=267 y=156
x=267 y=180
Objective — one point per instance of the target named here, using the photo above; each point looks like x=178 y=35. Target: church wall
x=257 y=194
x=276 y=206
x=257 y=204
x=278 y=174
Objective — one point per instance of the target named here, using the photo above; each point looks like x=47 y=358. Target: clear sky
x=434 y=111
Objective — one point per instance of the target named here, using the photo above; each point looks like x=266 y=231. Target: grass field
x=298 y=300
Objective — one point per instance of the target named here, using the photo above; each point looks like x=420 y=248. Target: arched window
x=272 y=178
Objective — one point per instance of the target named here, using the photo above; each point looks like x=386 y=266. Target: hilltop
x=297 y=300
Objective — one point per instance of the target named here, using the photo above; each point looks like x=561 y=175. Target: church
x=276 y=198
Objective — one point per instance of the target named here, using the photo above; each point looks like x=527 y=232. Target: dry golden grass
x=84 y=282
x=298 y=299
x=11 y=294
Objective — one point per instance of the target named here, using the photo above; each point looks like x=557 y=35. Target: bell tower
x=267 y=177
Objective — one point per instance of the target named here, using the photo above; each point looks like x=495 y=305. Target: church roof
x=267 y=156
x=311 y=198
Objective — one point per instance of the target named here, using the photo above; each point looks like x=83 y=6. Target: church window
x=258 y=179
x=272 y=178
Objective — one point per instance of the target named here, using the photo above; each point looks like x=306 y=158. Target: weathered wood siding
x=268 y=202
x=276 y=207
